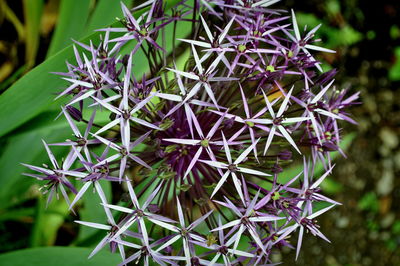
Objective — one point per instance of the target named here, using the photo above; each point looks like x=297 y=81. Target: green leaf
x=48 y=221
x=71 y=24
x=16 y=214
x=33 y=93
x=60 y=256
x=33 y=13
x=104 y=14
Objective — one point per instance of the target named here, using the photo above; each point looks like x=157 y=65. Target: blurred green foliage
x=394 y=72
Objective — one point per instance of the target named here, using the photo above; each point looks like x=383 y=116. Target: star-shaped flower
x=81 y=142
x=222 y=248
x=246 y=121
x=312 y=109
x=91 y=177
x=243 y=47
x=303 y=43
x=124 y=152
x=135 y=29
x=125 y=113
x=147 y=252
x=138 y=214
x=247 y=221
x=91 y=81
x=278 y=121
x=204 y=142
x=56 y=180
x=306 y=222
x=184 y=100
x=212 y=42
x=203 y=77
x=232 y=167
x=184 y=232
x=111 y=227
x=310 y=191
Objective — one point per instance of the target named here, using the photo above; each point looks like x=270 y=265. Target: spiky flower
x=199 y=144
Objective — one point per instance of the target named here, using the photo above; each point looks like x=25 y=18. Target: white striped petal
x=318 y=48
x=80 y=194
x=227 y=225
x=185 y=74
x=251 y=171
x=265 y=218
x=288 y=138
x=184 y=141
x=118 y=208
x=220 y=183
x=94 y=225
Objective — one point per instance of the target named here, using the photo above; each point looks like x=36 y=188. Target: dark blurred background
x=366 y=229
x=366 y=35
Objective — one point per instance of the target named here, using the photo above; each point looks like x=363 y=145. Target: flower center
x=311 y=107
x=184 y=232
x=195 y=261
x=250 y=124
x=271 y=68
x=203 y=78
x=143 y=31
x=205 y=143
x=277 y=121
x=223 y=250
x=126 y=115
x=102 y=169
x=123 y=152
x=139 y=213
x=232 y=167
x=241 y=48
x=245 y=220
x=276 y=195
x=211 y=240
x=257 y=33
x=81 y=141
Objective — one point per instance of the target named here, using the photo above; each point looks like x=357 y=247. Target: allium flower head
x=199 y=147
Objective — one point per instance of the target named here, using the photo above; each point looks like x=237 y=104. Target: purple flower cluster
x=200 y=147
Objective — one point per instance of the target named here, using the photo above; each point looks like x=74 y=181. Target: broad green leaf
x=33 y=14
x=71 y=24
x=60 y=256
x=47 y=120
x=33 y=93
